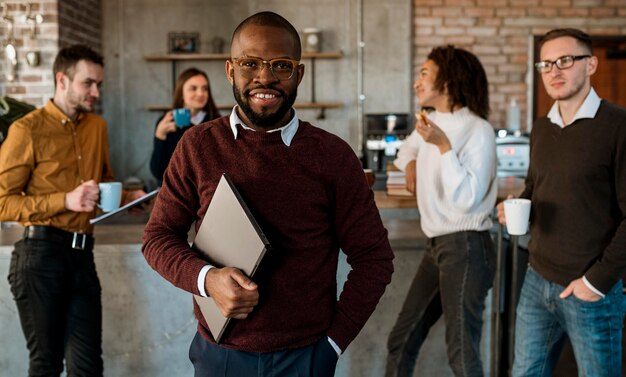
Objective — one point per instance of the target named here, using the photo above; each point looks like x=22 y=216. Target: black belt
x=77 y=241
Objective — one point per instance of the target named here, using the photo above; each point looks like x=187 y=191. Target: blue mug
x=110 y=196
x=182 y=117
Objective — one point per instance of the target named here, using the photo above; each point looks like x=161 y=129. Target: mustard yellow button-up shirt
x=45 y=156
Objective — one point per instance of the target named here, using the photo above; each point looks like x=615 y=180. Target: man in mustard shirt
x=50 y=166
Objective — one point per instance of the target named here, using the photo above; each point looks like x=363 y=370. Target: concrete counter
x=148 y=324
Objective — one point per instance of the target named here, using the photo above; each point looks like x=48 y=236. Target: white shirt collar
x=287 y=132
x=199 y=117
x=588 y=109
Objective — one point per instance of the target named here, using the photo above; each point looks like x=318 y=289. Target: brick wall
x=500 y=33
x=80 y=21
x=32 y=84
x=64 y=22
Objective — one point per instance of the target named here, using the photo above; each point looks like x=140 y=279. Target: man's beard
x=82 y=109
x=76 y=102
x=270 y=120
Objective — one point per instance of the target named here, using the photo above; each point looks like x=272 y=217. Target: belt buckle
x=78 y=241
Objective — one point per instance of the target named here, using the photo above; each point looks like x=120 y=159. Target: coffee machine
x=383 y=135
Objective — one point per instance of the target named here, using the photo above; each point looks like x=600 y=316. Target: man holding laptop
x=305 y=188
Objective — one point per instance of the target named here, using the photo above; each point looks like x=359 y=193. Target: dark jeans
x=453 y=280
x=212 y=360
x=57 y=293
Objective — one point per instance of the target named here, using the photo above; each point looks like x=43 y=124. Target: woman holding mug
x=193 y=93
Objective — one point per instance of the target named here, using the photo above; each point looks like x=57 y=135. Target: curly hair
x=461 y=73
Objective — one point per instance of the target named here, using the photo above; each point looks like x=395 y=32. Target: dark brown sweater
x=311 y=199
x=577 y=184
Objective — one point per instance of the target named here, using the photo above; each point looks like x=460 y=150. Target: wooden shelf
x=297 y=105
x=322 y=55
x=318 y=105
x=182 y=57
x=173 y=59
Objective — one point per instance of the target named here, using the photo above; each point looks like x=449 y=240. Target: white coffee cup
x=517 y=213
x=110 y=196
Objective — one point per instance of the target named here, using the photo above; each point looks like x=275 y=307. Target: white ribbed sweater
x=456 y=191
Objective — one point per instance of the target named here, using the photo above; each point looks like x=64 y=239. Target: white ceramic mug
x=517 y=213
x=110 y=196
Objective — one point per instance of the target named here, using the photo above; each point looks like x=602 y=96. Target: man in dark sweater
x=307 y=190
x=577 y=185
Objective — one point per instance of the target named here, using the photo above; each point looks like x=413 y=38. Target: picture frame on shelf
x=183 y=42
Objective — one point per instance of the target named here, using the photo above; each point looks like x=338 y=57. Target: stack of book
x=396 y=184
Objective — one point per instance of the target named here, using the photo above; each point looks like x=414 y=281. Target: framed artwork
x=183 y=43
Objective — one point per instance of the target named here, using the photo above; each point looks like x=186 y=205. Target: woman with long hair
x=194 y=93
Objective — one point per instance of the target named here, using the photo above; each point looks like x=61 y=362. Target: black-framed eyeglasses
x=281 y=68
x=564 y=62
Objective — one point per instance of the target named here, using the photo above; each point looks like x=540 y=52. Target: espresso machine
x=384 y=132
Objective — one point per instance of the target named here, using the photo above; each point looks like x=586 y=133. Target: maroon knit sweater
x=310 y=199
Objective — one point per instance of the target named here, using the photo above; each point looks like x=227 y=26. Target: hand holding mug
x=83 y=198
x=517 y=214
x=166 y=126
x=500 y=208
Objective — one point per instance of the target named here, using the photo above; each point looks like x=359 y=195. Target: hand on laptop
x=233 y=292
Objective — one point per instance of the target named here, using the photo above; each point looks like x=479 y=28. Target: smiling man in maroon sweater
x=306 y=188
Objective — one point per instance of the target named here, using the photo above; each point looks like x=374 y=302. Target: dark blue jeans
x=544 y=320
x=212 y=360
x=453 y=280
x=57 y=293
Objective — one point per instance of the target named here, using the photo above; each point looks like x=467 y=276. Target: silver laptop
x=228 y=237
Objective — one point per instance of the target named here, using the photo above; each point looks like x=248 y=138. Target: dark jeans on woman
x=453 y=280
x=211 y=360
x=57 y=293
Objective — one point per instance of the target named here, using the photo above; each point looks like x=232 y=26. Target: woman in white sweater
x=450 y=163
